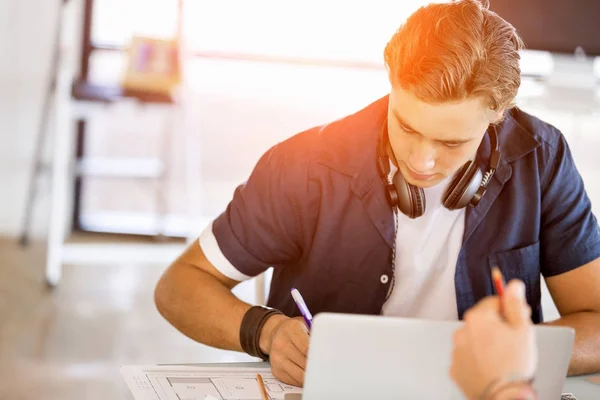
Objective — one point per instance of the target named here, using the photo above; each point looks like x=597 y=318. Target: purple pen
x=302 y=306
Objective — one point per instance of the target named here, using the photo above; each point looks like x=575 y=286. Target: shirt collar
x=349 y=145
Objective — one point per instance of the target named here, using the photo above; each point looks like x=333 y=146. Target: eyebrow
x=408 y=128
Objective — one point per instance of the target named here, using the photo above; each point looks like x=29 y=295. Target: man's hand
x=496 y=340
x=286 y=340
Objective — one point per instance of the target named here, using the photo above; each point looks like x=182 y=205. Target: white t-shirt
x=427 y=250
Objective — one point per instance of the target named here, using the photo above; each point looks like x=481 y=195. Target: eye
x=453 y=145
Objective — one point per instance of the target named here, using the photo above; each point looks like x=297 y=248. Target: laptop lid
x=375 y=357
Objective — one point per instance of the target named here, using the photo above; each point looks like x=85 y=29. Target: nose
x=422 y=158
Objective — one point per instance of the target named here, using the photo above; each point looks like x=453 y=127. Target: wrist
x=267 y=331
x=251 y=327
x=515 y=391
x=512 y=386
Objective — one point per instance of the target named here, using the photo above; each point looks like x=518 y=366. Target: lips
x=419 y=177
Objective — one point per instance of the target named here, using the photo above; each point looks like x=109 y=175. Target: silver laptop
x=375 y=357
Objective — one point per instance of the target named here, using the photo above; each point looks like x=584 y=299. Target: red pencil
x=498 y=280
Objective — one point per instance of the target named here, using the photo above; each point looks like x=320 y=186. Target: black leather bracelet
x=251 y=327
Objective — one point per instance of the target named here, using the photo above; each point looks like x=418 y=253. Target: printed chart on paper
x=202 y=383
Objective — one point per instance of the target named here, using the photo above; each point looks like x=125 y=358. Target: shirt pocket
x=522 y=263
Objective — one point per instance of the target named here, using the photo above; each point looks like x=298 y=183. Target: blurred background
x=125 y=126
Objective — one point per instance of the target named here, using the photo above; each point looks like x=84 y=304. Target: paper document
x=202 y=383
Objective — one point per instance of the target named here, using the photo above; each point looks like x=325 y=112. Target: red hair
x=449 y=52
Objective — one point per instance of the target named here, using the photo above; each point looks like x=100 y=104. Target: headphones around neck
x=466 y=189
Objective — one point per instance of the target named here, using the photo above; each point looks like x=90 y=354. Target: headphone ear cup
x=418 y=196
x=411 y=199
x=463 y=187
x=392 y=195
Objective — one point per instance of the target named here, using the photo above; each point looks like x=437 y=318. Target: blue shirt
x=314 y=208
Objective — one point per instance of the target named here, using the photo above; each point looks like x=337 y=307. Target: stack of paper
x=202 y=383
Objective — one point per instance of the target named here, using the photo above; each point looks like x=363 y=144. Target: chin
x=426 y=183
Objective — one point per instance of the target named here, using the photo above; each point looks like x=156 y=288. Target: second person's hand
x=496 y=341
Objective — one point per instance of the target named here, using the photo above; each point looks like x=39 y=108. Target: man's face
x=432 y=141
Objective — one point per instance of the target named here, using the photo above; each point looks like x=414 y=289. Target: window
x=312 y=29
x=317 y=31
x=115 y=21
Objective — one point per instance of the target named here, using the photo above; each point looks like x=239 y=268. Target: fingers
x=297 y=357
x=456 y=366
x=459 y=338
x=458 y=363
x=487 y=309
x=303 y=323
x=288 y=352
x=300 y=338
x=285 y=348
x=290 y=364
x=515 y=308
x=287 y=371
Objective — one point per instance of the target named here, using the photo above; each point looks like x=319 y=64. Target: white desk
x=578 y=385
x=581 y=388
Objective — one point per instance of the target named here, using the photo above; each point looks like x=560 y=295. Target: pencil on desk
x=261 y=386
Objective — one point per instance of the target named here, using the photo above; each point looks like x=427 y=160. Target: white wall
x=27 y=31
x=25 y=46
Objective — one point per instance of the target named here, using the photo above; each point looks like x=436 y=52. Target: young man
x=403 y=207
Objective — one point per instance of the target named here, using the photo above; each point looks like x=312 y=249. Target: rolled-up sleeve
x=570 y=235
x=261 y=225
